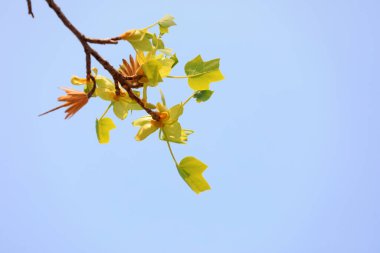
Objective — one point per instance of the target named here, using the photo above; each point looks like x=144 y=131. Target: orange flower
x=74 y=99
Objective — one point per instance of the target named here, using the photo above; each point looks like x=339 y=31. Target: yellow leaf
x=166 y=67
x=103 y=128
x=191 y=169
x=76 y=80
x=105 y=88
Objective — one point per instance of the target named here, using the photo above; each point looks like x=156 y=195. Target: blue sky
x=291 y=136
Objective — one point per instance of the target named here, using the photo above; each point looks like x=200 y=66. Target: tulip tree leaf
x=166 y=67
x=191 y=169
x=166 y=22
x=105 y=88
x=121 y=107
x=201 y=74
x=140 y=39
x=203 y=95
x=175 y=59
x=103 y=128
x=157 y=42
x=152 y=71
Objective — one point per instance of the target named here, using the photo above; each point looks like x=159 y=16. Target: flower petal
x=145 y=131
x=175 y=112
x=172 y=131
x=142 y=121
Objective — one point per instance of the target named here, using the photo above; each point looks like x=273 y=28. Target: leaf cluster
x=152 y=64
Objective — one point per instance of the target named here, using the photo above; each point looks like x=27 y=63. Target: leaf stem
x=187 y=100
x=108 y=108
x=170 y=148
x=178 y=77
x=150 y=26
x=183 y=77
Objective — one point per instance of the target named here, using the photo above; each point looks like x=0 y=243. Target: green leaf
x=103 y=128
x=191 y=169
x=175 y=59
x=166 y=22
x=203 y=95
x=201 y=74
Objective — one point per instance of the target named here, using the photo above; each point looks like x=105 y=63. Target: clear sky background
x=291 y=136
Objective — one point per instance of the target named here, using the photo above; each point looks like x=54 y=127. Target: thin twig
x=103 y=41
x=89 y=77
x=30 y=9
x=88 y=65
x=117 y=88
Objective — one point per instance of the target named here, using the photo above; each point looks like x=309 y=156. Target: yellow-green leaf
x=191 y=169
x=152 y=71
x=166 y=66
x=105 y=88
x=139 y=39
x=121 y=108
x=164 y=30
x=201 y=74
x=123 y=104
x=103 y=128
x=175 y=60
x=166 y=22
x=157 y=42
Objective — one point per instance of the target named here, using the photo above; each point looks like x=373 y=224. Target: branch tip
x=30 y=9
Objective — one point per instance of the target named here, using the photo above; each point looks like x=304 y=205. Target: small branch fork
x=90 y=52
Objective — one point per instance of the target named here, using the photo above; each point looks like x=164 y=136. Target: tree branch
x=30 y=9
x=91 y=52
x=103 y=41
